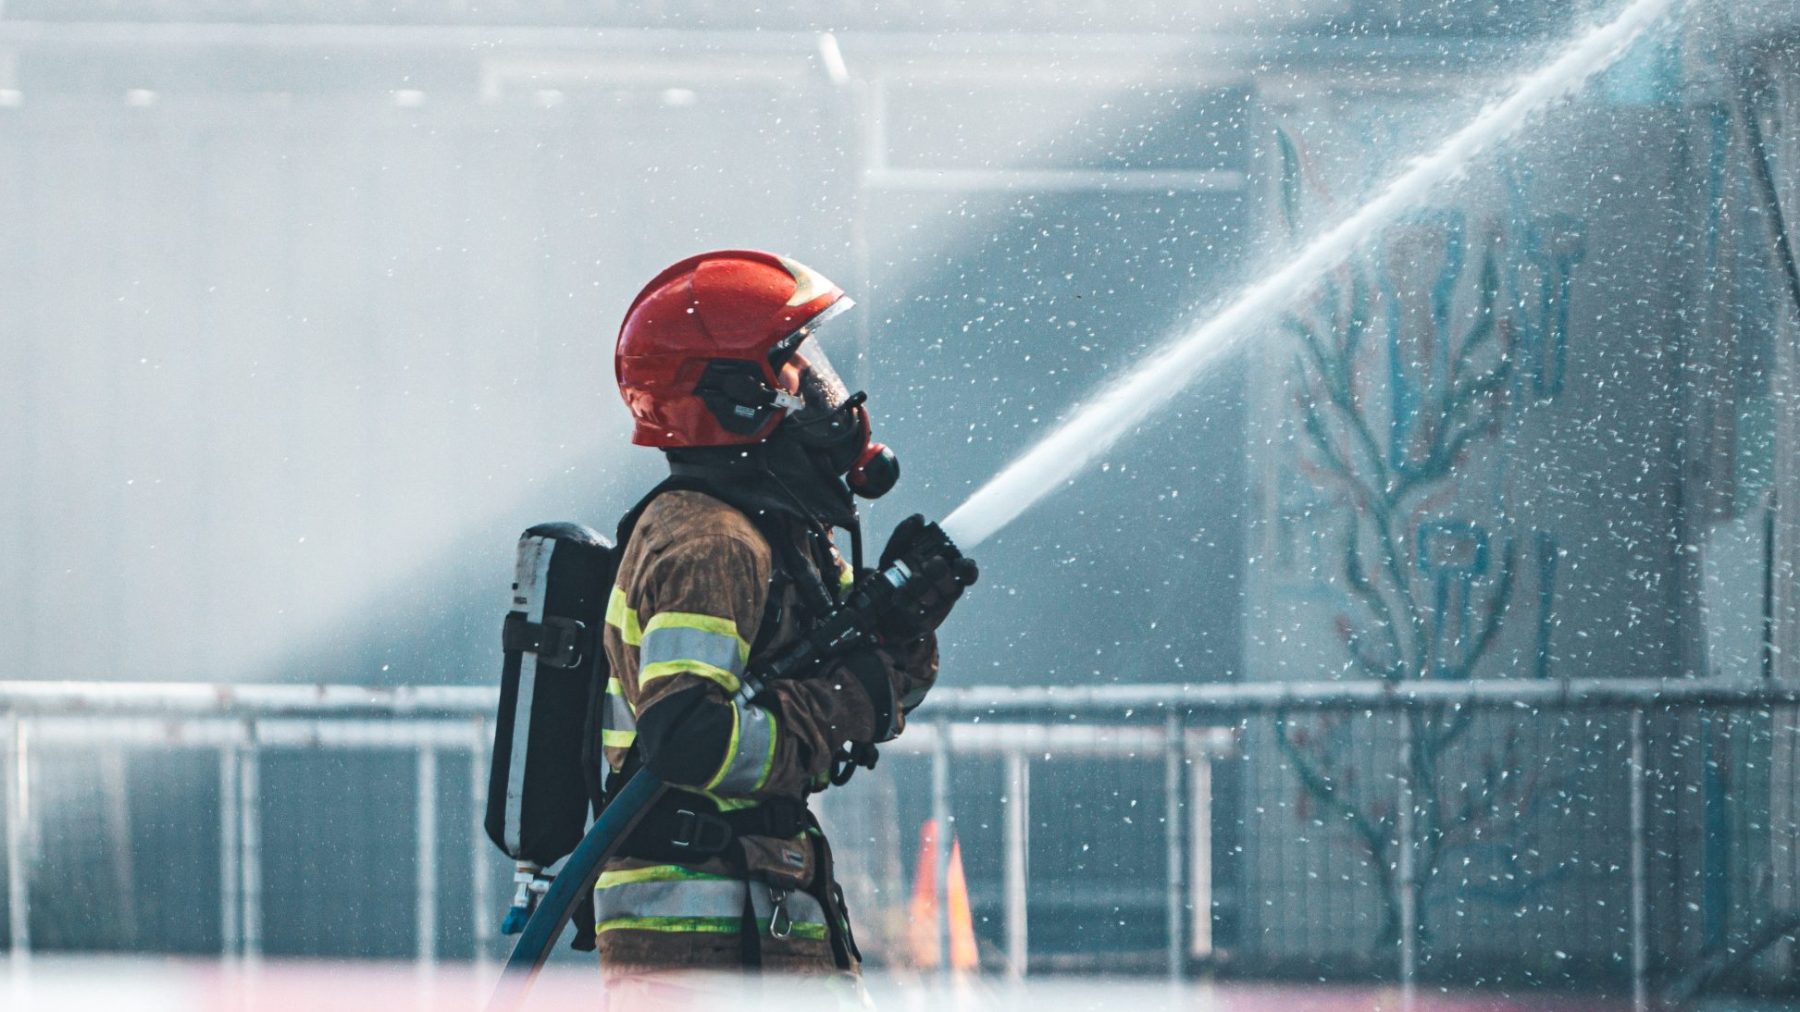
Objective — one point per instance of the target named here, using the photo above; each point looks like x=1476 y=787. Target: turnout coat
x=690 y=600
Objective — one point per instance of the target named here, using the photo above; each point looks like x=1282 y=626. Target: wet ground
x=120 y=984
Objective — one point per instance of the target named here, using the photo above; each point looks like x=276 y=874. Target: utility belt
x=687 y=828
x=767 y=845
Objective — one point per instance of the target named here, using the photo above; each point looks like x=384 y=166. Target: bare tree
x=1399 y=622
x=1390 y=399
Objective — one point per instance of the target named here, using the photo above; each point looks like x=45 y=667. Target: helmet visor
x=805 y=369
x=815 y=378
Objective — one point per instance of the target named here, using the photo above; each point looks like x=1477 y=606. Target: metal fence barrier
x=1252 y=826
x=240 y=737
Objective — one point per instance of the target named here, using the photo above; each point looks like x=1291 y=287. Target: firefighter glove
x=940 y=575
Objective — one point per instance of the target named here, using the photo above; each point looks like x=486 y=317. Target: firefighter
x=733 y=558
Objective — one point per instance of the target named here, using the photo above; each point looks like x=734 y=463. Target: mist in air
x=1374 y=421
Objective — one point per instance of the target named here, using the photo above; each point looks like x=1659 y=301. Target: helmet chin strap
x=853 y=523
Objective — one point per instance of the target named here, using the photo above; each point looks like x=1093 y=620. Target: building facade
x=1540 y=430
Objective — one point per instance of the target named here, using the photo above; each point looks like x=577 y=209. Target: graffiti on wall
x=1411 y=367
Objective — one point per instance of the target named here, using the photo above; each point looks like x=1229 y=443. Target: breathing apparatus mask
x=828 y=421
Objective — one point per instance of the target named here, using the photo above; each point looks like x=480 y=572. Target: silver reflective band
x=684 y=643
x=685 y=897
x=618 y=714
x=618 y=709
x=747 y=767
x=702 y=898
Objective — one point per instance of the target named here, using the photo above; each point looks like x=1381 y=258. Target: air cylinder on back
x=554 y=676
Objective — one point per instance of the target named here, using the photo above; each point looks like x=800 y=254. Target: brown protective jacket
x=691 y=591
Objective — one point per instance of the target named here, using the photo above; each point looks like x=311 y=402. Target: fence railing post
x=478 y=847
x=18 y=836
x=1199 y=847
x=1018 y=843
x=1408 y=875
x=1175 y=897
x=250 y=840
x=231 y=935
x=425 y=864
x=1640 y=913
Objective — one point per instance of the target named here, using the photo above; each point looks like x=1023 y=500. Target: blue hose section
x=514 y=921
x=577 y=876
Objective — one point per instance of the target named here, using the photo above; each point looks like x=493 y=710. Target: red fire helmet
x=696 y=354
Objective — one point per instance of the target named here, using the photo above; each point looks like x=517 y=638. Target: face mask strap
x=825 y=417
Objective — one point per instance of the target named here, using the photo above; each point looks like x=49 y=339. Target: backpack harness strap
x=779 y=575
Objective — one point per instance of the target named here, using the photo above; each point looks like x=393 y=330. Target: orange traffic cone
x=926 y=921
x=922 y=914
x=963 y=955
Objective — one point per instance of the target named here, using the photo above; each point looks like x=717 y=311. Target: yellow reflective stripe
x=614 y=686
x=654 y=873
x=705 y=623
x=690 y=925
x=730 y=749
x=808 y=930
x=811 y=931
x=845 y=577
x=665 y=669
x=620 y=616
x=617 y=739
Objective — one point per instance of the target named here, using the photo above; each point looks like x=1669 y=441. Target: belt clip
x=704 y=834
x=780 y=924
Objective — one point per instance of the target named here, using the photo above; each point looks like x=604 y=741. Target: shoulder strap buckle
x=700 y=832
x=556 y=640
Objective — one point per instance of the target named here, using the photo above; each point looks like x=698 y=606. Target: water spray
x=1090 y=431
x=1098 y=424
